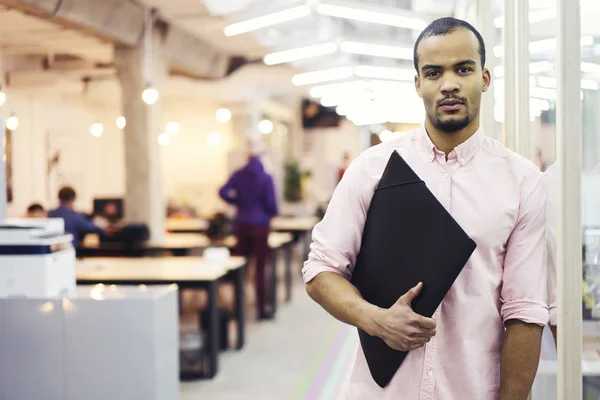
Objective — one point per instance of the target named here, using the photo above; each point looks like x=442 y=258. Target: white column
x=3 y=180
x=144 y=186
x=488 y=31
x=521 y=103
x=510 y=62
x=568 y=132
x=3 y=177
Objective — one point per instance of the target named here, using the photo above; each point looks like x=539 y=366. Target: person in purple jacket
x=252 y=191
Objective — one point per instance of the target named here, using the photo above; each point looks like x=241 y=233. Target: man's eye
x=464 y=70
x=433 y=74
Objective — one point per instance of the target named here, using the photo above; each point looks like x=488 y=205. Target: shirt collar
x=464 y=151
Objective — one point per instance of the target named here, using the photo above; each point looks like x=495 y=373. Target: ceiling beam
x=194 y=56
x=122 y=22
x=118 y=21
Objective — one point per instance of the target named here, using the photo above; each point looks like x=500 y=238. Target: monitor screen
x=314 y=115
x=113 y=207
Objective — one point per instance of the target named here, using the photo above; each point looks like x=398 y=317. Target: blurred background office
x=145 y=108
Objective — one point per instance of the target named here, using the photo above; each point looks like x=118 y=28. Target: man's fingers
x=425 y=323
x=416 y=346
x=422 y=333
x=420 y=339
x=409 y=296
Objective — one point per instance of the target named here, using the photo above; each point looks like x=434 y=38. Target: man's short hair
x=446 y=26
x=66 y=194
x=35 y=207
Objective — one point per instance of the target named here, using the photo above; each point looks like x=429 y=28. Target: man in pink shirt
x=483 y=342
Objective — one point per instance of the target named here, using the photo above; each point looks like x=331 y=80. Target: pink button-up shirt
x=551 y=183
x=498 y=198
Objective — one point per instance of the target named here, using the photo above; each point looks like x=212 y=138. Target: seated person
x=109 y=219
x=75 y=223
x=36 y=210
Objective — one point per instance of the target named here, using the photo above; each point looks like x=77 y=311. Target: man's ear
x=487 y=79
x=418 y=85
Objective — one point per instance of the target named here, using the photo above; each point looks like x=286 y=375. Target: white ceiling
x=195 y=17
x=21 y=34
x=26 y=40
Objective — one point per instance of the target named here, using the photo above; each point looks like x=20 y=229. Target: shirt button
x=430 y=373
x=462 y=160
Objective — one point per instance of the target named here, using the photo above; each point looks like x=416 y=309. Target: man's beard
x=452 y=125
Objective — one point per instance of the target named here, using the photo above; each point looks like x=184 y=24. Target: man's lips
x=451 y=105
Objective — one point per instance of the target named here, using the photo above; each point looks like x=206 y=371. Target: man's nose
x=450 y=85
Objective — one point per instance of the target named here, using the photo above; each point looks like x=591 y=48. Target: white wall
x=94 y=166
x=194 y=170
x=323 y=151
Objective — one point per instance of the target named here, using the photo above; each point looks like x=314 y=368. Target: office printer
x=37 y=258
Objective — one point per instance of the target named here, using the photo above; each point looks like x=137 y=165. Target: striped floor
x=304 y=355
x=333 y=363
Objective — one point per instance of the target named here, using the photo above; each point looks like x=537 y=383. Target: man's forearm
x=519 y=360
x=343 y=300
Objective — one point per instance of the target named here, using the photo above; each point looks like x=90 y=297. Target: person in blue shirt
x=251 y=190
x=75 y=223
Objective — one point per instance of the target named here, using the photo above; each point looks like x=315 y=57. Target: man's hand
x=403 y=329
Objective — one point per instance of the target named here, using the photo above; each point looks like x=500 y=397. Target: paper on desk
x=92 y=265
x=216 y=256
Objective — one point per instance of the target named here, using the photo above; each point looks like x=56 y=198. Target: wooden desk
x=278 y=224
x=293 y=224
x=192 y=225
x=182 y=244
x=179 y=244
x=188 y=272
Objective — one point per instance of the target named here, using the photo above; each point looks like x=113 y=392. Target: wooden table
x=278 y=224
x=294 y=224
x=180 y=244
x=184 y=244
x=186 y=272
x=191 y=225
x=299 y=227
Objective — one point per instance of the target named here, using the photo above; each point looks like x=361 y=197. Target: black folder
x=409 y=237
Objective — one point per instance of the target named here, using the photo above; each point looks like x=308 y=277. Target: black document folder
x=409 y=237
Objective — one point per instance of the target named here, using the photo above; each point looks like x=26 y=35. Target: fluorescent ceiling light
x=324 y=75
x=537 y=67
x=386 y=86
x=534 y=4
x=534 y=17
x=550 y=82
x=544 y=45
x=375 y=88
x=390 y=17
x=540 y=66
x=546 y=66
x=590 y=68
x=377 y=50
x=542 y=93
x=539 y=104
x=267 y=20
x=395 y=74
x=361 y=71
x=322 y=90
x=300 y=53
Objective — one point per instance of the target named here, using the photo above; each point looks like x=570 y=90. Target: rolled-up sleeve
x=551 y=199
x=336 y=240
x=524 y=290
